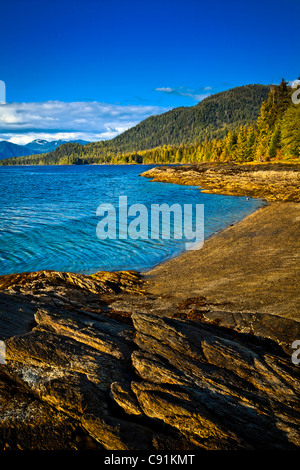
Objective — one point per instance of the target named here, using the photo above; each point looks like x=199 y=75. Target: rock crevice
x=85 y=375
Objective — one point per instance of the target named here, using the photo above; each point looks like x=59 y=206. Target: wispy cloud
x=52 y=120
x=197 y=95
x=166 y=89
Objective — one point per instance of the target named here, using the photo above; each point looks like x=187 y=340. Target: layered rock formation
x=98 y=362
x=273 y=182
x=195 y=354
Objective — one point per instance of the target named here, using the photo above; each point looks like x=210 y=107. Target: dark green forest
x=244 y=124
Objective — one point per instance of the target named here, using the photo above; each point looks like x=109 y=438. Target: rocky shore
x=196 y=354
x=270 y=181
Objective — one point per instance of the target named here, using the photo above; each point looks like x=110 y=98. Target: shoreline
x=247 y=267
x=269 y=181
x=216 y=178
x=226 y=253
x=194 y=355
x=213 y=235
x=289 y=164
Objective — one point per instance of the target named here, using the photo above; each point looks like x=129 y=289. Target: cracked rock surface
x=98 y=362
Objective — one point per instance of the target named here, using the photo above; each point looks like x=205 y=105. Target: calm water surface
x=48 y=217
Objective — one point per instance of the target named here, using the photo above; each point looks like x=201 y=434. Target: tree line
x=273 y=136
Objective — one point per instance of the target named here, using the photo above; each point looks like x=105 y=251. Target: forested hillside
x=211 y=118
x=250 y=123
x=275 y=136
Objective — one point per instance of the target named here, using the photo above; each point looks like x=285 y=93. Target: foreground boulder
x=94 y=362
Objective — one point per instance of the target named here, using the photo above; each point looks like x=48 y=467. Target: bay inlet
x=48 y=217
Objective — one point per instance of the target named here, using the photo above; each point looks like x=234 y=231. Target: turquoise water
x=48 y=217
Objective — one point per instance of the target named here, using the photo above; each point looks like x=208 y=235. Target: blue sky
x=92 y=68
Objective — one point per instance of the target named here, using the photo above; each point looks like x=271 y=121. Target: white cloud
x=165 y=89
x=182 y=91
x=52 y=120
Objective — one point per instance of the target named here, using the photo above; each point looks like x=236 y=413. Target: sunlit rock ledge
x=91 y=364
x=269 y=181
x=196 y=354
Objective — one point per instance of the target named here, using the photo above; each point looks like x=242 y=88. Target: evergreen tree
x=250 y=144
x=230 y=145
x=290 y=132
x=241 y=145
x=274 y=144
x=261 y=152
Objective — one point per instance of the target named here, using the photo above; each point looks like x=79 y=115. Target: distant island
x=37 y=146
x=249 y=123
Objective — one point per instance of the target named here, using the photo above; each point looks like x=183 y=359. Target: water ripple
x=48 y=217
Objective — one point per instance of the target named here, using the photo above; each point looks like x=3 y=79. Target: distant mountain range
x=9 y=150
x=38 y=146
x=210 y=119
x=43 y=146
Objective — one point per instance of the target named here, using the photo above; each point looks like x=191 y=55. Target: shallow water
x=48 y=217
